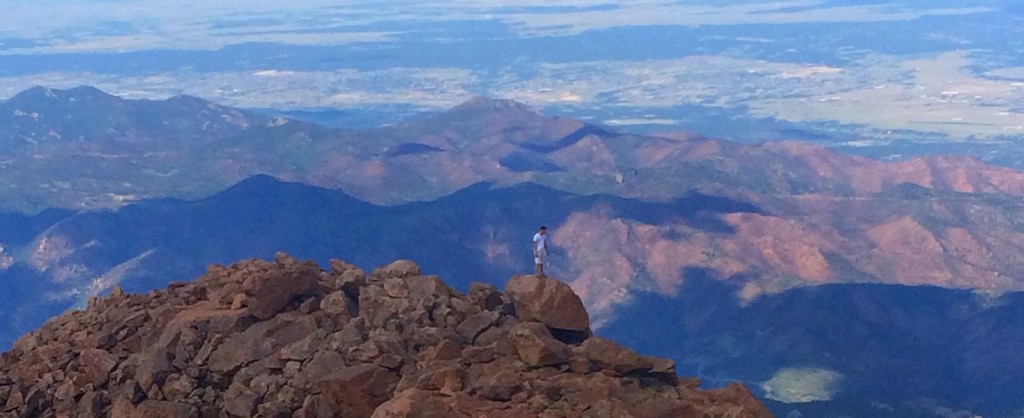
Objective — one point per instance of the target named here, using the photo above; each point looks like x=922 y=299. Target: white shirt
x=541 y=243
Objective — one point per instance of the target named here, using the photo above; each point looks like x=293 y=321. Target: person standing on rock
x=540 y=249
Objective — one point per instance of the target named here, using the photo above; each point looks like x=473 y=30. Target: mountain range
x=99 y=150
x=817 y=277
x=821 y=216
x=887 y=345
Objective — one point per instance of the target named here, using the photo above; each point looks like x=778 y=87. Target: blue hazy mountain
x=900 y=351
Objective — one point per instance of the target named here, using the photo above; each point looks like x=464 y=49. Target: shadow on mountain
x=891 y=344
x=412 y=148
x=570 y=140
x=522 y=162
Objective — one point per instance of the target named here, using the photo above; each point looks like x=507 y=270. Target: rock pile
x=286 y=339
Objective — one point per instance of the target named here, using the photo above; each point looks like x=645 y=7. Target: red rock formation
x=285 y=339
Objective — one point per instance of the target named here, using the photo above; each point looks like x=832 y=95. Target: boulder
x=323 y=364
x=415 y=403
x=259 y=342
x=96 y=365
x=153 y=367
x=474 y=325
x=499 y=386
x=550 y=302
x=607 y=355
x=269 y=293
x=536 y=347
x=358 y=390
x=240 y=401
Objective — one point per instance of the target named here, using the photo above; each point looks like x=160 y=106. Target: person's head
x=543 y=230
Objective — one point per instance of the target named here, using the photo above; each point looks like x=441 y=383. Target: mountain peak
x=86 y=91
x=40 y=116
x=392 y=343
x=480 y=103
x=35 y=94
x=192 y=100
x=482 y=108
x=40 y=94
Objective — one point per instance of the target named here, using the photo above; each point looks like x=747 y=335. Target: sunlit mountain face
x=817 y=198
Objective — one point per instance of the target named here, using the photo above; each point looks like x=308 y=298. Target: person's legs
x=539 y=261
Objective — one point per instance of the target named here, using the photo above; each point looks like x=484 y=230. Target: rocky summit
x=284 y=338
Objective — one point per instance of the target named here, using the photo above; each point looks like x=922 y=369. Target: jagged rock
x=178 y=386
x=90 y=405
x=347 y=278
x=240 y=401
x=477 y=355
x=664 y=370
x=446 y=379
x=486 y=296
x=164 y=409
x=154 y=366
x=732 y=401
x=398 y=269
x=301 y=342
x=611 y=408
x=474 y=325
x=550 y=302
x=238 y=302
x=310 y=305
x=15 y=400
x=610 y=356
x=26 y=344
x=303 y=349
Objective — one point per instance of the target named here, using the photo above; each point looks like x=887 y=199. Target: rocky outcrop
x=284 y=339
x=549 y=302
